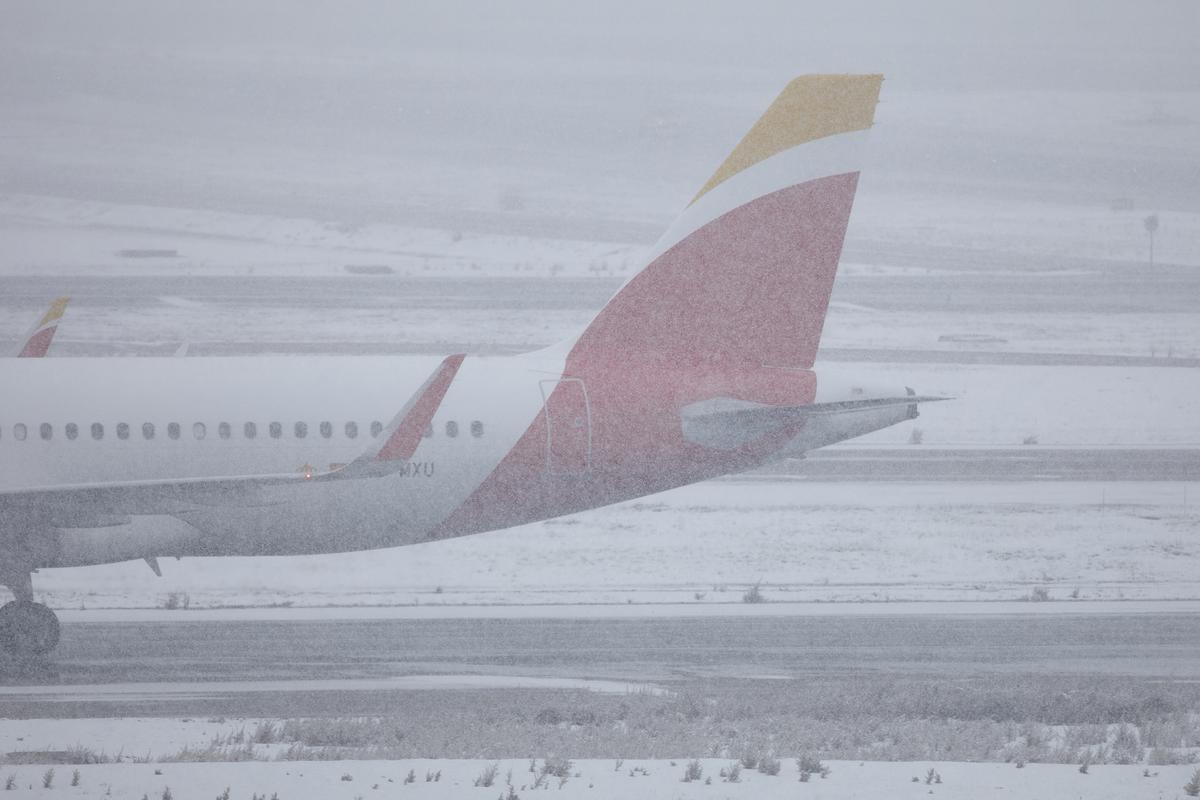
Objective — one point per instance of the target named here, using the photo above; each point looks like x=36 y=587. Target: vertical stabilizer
x=37 y=341
x=744 y=274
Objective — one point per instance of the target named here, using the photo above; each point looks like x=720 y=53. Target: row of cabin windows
x=225 y=431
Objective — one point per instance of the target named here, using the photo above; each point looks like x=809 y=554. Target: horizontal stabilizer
x=727 y=424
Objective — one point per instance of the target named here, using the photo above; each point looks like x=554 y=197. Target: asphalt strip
x=635 y=611
x=132 y=691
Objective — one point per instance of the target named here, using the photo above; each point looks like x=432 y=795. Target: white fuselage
x=126 y=411
x=209 y=456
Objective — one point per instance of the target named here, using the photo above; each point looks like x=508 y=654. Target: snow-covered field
x=705 y=544
x=661 y=779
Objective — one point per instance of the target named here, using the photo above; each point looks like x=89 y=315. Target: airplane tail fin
x=744 y=274
x=39 y=337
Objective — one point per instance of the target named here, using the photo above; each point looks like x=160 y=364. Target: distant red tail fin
x=744 y=275
x=37 y=341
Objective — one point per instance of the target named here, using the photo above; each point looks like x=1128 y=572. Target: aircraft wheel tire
x=28 y=628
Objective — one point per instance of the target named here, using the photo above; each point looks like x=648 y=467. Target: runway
x=308 y=666
x=1019 y=463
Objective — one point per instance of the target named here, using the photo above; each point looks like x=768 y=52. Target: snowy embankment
x=633 y=778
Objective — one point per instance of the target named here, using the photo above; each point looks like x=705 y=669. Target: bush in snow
x=754 y=595
x=1192 y=787
x=769 y=765
x=488 y=776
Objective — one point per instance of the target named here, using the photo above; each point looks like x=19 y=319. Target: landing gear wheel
x=27 y=629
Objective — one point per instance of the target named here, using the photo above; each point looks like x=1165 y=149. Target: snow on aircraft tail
x=744 y=274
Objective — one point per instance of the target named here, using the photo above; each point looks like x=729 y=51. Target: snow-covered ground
x=660 y=779
x=705 y=544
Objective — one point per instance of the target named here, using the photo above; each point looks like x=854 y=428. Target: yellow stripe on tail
x=810 y=107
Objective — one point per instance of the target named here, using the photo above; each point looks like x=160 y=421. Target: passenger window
x=47 y=431
x=452 y=429
x=351 y=430
x=301 y=430
x=173 y=430
x=276 y=430
x=224 y=431
x=250 y=430
x=122 y=430
x=97 y=431
x=326 y=430
x=72 y=431
x=376 y=428
x=19 y=431
x=199 y=430
x=147 y=430
x=477 y=429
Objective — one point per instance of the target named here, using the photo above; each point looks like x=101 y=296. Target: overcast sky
x=603 y=110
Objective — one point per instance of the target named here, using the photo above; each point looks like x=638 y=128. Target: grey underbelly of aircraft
x=295 y=519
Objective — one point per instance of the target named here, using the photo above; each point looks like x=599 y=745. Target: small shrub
x=932 y=777
x=734 y=773
x=917 y=436
x=1039 y=595
x=265 y=733
x=693 y=771
x=749 y=759
x=10 y=782
x=806 y=776
x=78 y=754
x=809 y=764
x=754 y=595
x=48 y=778
x=166 y=794
x=549 y=716
x=1087 y=762
x=75 y=778
x=769 y=765
x=1192 y=787
x=224 y=795
x=1030 y=439
x=1127 y=745
x=556 y=767
x=487 y=778
x=346 y=776
x=510 y=794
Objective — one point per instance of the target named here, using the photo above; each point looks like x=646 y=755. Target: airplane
x=38 y=339
x=701 y=365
